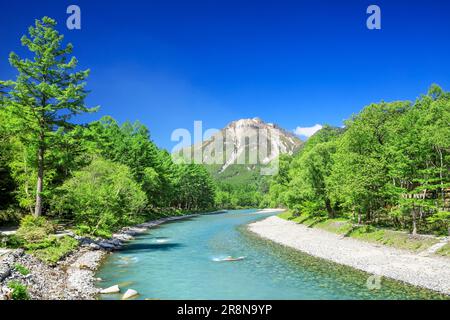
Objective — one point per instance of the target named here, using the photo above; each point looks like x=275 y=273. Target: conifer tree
x=47 y=92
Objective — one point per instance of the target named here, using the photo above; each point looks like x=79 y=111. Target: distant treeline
x=389 y=166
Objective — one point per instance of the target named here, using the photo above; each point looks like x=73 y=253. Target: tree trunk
x=41 y=150
x=368 y=216
x=40 y=182
x=329 y=208
x=442 y=178
x=414 y=222
x=359 y=217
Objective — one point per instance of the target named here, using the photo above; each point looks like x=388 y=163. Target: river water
x=181 y=260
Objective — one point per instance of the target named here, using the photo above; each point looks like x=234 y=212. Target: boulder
x=123 y=237
x=115 y=242
x=5 y=271
x=94 y=246
x=5 y=293
x=135 y=231
x=18 y=253
x=84 y=241
x=113 y=289
x=129 y=294
x=106 y=245
x=83 y=266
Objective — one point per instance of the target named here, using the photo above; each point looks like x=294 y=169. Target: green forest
x=100 y=175
x=388 y=166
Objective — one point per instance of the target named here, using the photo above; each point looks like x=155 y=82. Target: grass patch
x=35 y=235
x=341 y=226
x=396 y=239
x=338 y=225
x=288 y=215
x=19 y=290
x=444 y=251
x=53 y=249
x=34 y=229
x=21 y=269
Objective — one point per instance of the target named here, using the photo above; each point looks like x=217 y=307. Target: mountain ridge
x=247 y=144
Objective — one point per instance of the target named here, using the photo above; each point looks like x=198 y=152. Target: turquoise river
x=179 y=260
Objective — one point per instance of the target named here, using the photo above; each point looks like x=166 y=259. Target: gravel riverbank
x=73 y=278
x=428 y=272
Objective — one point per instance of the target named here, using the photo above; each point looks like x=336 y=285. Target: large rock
x=135 y=231
x=5 y=293
x=130 y=293
x=84 y=241
x=18 y=253
x=94 y=246
x=123 y=237
x=5 y=271
x=106 y=245
x=115 y=242
x=113 y=289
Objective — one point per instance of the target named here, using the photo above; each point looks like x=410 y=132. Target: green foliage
x=11 y=241
x=390 y=167
x=102 y=197
x=442 y=219
x=52 y=249
x=7 y=184
x=34 y=229
x=369 y=233
x=444 y=251
x=130 y=145
x=35 y=234
x=236 y=196
x=21 y=269
x=391 y=238
x=19 y=290
x=10 y=215
x=302 y=183
x=45 y=95
x=195 y=188
x=50 y=165
x=49 y=241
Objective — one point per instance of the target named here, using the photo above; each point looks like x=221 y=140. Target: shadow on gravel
x=316 y=222
x=180 y=220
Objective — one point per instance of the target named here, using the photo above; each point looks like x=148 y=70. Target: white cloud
x=307 y=131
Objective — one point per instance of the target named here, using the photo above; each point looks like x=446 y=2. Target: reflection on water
x=178 y=260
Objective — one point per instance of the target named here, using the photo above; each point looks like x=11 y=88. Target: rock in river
x=129 y=294
x=113 y=289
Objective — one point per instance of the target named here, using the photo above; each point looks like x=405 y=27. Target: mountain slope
x=243 y=150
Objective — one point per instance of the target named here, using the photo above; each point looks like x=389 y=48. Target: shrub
x=19 y=291
x=11 y=241
x=442 y=219
x=21 y=269
x=34 y=229
x=102 y=197
x=43 y=244
x=52 y=250
x=10 y=215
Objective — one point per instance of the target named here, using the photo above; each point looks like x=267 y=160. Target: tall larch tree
x=47 y=93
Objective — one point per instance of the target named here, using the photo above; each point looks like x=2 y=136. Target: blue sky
x=295 y=63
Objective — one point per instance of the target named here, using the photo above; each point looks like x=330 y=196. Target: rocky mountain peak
x=249 y=142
